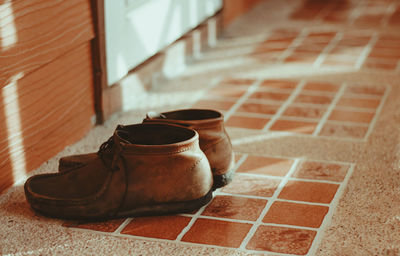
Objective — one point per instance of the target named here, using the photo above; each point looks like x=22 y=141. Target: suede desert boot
x=214 y=141
x=145 y=169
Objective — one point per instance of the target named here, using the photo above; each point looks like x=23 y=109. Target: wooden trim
x=99 y=58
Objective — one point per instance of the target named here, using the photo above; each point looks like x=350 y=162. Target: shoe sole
x=223 y=179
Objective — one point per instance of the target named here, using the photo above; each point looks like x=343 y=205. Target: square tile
x=365 y=90
x=236 y=81
x=226 y=92
x=340 y=63
x=380 y=64
x=282 y=240
x=351 y=116
x=163 y=227
x=104 y=226
x=342 y=130
x=302 y=215
x=321 y=171
x=213 y=104
x=321 y=87
x=266 y=165
x=315 y=192
x=268 y=95
x=314 y=99
x=304 y=112
x=252 y=185
x=358 y=102
x=259 y=108
x=247 y=122
x=294 y=126
x=233 y=207
x=217 y=232
x=278 y=84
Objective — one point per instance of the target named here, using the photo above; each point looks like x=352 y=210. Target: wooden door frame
x=98 y=45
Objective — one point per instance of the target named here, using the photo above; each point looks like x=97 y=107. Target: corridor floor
x=310 y=94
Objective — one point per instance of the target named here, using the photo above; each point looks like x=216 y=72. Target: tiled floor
x=309 y=90
x=277 y=205
x=344 y=110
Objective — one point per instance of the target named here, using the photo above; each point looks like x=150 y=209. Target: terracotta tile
x=236 y=81
x=321 y=171
x=213 y=104
x=106 y=226
x=266 y=165
x=306 y=58
x=304 y=112
x=251 y=185
x=321 y=87
x=385 y=53
x=344 y=63
x=314 y=99
x=352 y=116
x=294 y=126
x=259 y=108
x=315 y=192
x=278 y=84
x=339 y=130
x=303 y=215
x=282 y=240
x=267 y=95
x=269 y=49
x=164 y=227
x=233 y=207
x=247 y=122
x=348 y=50
x=217 y=232
x=365 y=90
x=358 y=102
x=226 y=92
x=238 y=156
x=310 y=48
x=380 y=64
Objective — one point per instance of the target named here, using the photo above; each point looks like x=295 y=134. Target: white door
x=137 y=29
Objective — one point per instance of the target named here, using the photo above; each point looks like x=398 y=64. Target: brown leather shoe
x=214 y=141
x=146 y=169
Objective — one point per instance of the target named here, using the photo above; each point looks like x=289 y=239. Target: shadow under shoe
x=214 y=141
x=154 y=169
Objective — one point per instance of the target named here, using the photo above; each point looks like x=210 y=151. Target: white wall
x=137 y=29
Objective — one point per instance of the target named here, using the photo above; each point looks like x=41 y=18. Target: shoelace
x=106 y=145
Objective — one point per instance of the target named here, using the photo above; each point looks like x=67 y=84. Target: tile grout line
x=285 y=105
x=322 y=56
x=258 y=222
x=355 y=13
x=269 y=198
x=290 y=49
x=191 y=222
x=328 y=112
x=199 y=212
x=388 y=13
x=377 y=113
x=332 y=209
x=122 y=226
x=252 y=88
x=367 y=49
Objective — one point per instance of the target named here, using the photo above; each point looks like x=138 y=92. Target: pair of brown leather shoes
x=170 y=163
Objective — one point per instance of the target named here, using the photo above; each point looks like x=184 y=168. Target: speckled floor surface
x=310 y=93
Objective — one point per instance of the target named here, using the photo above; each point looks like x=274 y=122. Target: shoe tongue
x=154 y=115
